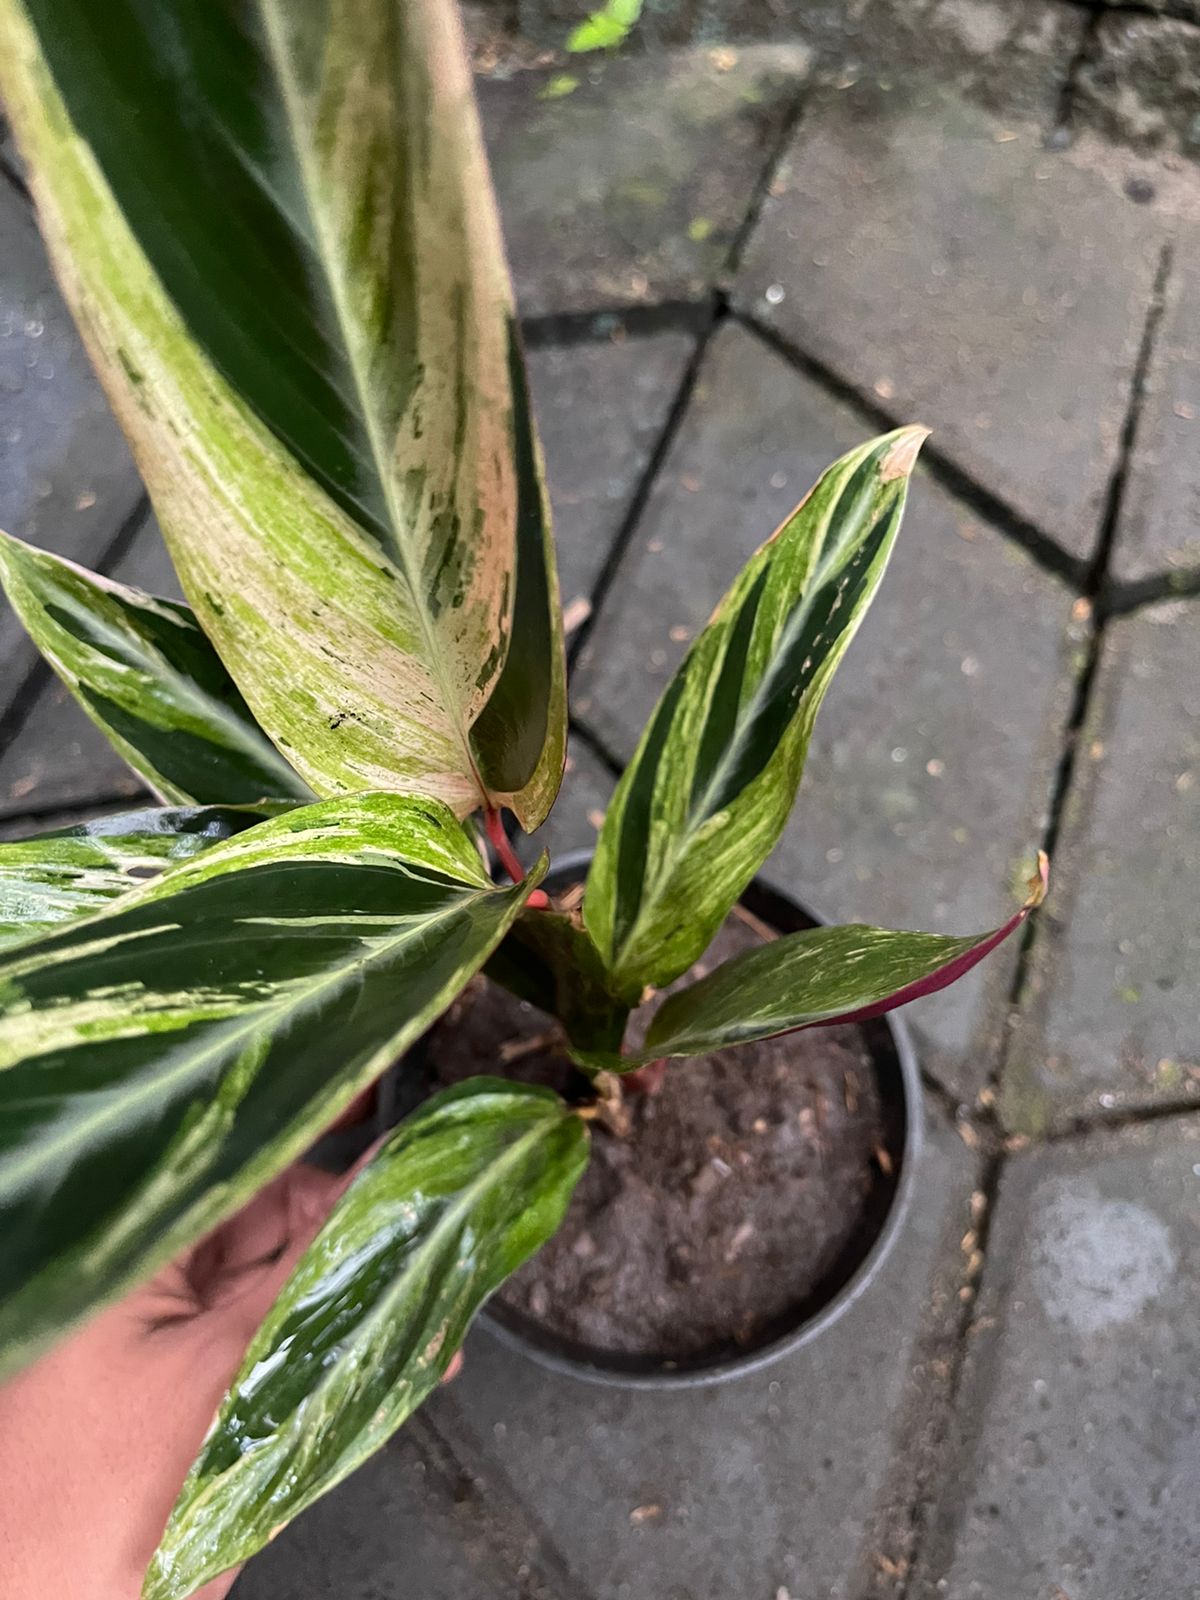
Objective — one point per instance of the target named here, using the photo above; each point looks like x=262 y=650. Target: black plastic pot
x=899 y=1085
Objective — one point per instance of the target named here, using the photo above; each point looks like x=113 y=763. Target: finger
x=296 y=1202
x=307 y=1197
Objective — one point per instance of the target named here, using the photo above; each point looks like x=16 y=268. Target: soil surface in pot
x=744 y=1196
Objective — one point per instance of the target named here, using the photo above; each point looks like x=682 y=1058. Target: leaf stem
x=647 y=1079
x=494 y=824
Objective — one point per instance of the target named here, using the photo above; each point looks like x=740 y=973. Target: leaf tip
x=1039 y=883
x=901 y=457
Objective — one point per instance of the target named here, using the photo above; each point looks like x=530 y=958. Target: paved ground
x=733 y=265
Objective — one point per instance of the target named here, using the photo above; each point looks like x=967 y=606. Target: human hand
x=97 y=1437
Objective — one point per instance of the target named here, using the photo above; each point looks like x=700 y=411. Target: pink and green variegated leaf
x=275 y=226
x=712 y=783
x=813 y=980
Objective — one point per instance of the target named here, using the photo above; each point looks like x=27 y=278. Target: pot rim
x=807 y=1331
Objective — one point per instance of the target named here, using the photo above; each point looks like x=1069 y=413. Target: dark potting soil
x=746 y=1192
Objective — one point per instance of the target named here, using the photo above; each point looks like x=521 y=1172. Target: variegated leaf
x=813 y=980
x=149 y=679
x=73 y=872
x=163 y=1059
x=463 y=1192
x=275 y=226
x=714 y=777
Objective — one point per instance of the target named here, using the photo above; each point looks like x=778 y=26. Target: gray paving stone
x=631 y=188
x=67 y=480
x=1014 y=56
x=23 y=827
x=600 y=409
x=58 y=759
x=1079 y=1472
x=1160 y=525
x=1114 y=996
x=763 y=1484
x=1189 y=10
x=943 y=262
x=834 y=24
x=395 y=1531
x=933 y=756
x=1140 y=82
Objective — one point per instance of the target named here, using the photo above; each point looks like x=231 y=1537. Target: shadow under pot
x=754 y=1197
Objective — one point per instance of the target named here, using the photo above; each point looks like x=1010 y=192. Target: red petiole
x=494 y=824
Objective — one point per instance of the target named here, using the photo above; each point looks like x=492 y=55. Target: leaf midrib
x=681 y=840
x=289 y=93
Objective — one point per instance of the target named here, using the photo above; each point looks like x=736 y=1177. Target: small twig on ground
x=765 y=932
x=517 y=1049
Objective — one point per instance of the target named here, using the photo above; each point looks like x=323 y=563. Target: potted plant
x=276 y=231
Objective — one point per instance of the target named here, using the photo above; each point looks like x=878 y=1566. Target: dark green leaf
x=463 y=1192
x=149 y=679
x=548 y=958
x=276 y=225
x=713 y=780
x=75 y=871
x=162 y=1060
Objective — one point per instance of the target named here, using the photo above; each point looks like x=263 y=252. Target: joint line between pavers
x=645 y=485
x=12 y=176
x=1063 y=125
x=921 y=1465
x=1093 y=591
x=96 y=805
x=717 y=311
x=772 y=161
x=1165 y=10
x=596 y=746
x=1122 y=599
x=506 y=1524
x=1045 y=551
x=934 y=1465
x=600 y=323
x=1099 y=1123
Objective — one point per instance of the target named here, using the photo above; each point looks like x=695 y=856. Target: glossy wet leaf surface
x=815 y=979
x=72 y=872
x=462 y=1193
